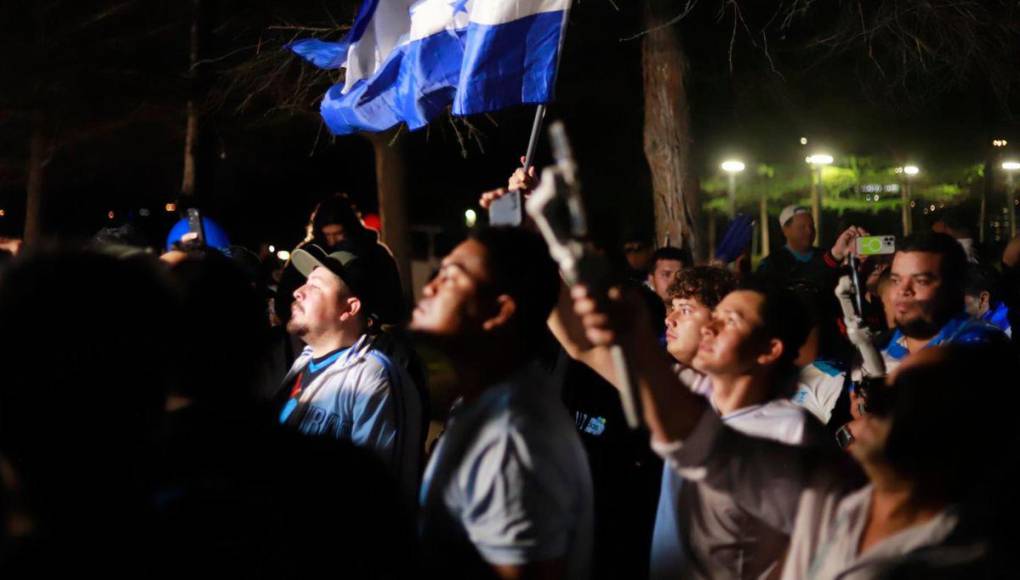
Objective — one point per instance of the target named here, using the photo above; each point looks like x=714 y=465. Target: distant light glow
x=283 y=255
x=819 y=159
x=1011 y=165
x=170 y=207
x=803 y=140
x=272 y=249
x=732 y=166
x=110 y=214
x=470 y=218
x=999 y=142
x=911 y=170
x=3 y=212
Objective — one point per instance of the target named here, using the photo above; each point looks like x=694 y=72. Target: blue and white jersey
x=999 y=318
x=512 y=479
x=961 y=329
x=819 y=386
x=363 y=397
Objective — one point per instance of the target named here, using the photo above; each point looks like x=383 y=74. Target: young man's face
x=333 y=234
x=729 y=341
x=800 y=232
x=917 y=288
x=637 y=255
x=318 y=304
x=451 y=303
x=684 y=321
x=663 y=275
x=977 y=305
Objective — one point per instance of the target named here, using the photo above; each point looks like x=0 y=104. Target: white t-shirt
x=701 y=532
x=818 y=388
x=512 y=475
x=801 y=493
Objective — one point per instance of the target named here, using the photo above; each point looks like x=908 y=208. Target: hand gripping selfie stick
x=558 y=210
x=860 y=335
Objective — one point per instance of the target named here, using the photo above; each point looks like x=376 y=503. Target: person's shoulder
x=823 y=369
x=977 y=331
x=788 y=422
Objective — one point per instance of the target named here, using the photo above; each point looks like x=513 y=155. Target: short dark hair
x=707 y=284
x=519 y=265
x=784 y=317
x=981 y=278
x=682 y=255
x=953 y=268
x=336 y=209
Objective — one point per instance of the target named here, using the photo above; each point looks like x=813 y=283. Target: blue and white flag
x=408 y=60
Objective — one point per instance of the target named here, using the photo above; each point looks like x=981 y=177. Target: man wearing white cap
x=798 y=259
x=810 y=270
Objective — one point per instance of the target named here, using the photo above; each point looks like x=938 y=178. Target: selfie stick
x=860 y=335
x=557 y=209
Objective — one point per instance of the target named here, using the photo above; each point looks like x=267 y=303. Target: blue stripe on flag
x=479 y=69
x=321 y=53
x=509 y=64
x=330 y=55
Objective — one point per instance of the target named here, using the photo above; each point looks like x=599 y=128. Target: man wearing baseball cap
x=344 y=384
x=811 y=270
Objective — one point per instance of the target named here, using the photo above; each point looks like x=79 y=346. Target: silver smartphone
x=507 y=210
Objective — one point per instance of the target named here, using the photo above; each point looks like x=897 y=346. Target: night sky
x=114 y=91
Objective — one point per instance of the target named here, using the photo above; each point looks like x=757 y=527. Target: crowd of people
x=188 y=413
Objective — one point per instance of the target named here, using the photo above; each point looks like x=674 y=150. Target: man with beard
x=346 y=384
x=927 y=285
x=922 y=453
x=334 y=226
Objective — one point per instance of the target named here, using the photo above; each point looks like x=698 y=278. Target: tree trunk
x=191 y=131
x=667 y=138
x=390 y=177
x=38 y=152
x=190 y=139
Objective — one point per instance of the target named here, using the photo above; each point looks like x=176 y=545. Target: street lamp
x=909 y=171
x=1010 y=167
x=817 y=162
x=732 y=167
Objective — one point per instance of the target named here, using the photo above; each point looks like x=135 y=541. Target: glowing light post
x=1010 y=167
x=909 y=171
x=817 y=162
x=732 y=167
x=983 y=211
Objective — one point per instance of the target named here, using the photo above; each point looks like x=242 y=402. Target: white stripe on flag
x=490 y=12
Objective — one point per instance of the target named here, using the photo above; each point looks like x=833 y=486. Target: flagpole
x=536 y=127
x=536 y=131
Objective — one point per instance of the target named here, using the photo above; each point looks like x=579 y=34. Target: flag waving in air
x=407 y=61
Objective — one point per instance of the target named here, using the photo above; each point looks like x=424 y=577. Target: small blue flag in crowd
x=407 y=61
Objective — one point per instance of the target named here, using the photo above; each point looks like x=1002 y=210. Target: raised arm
x=671 y=410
